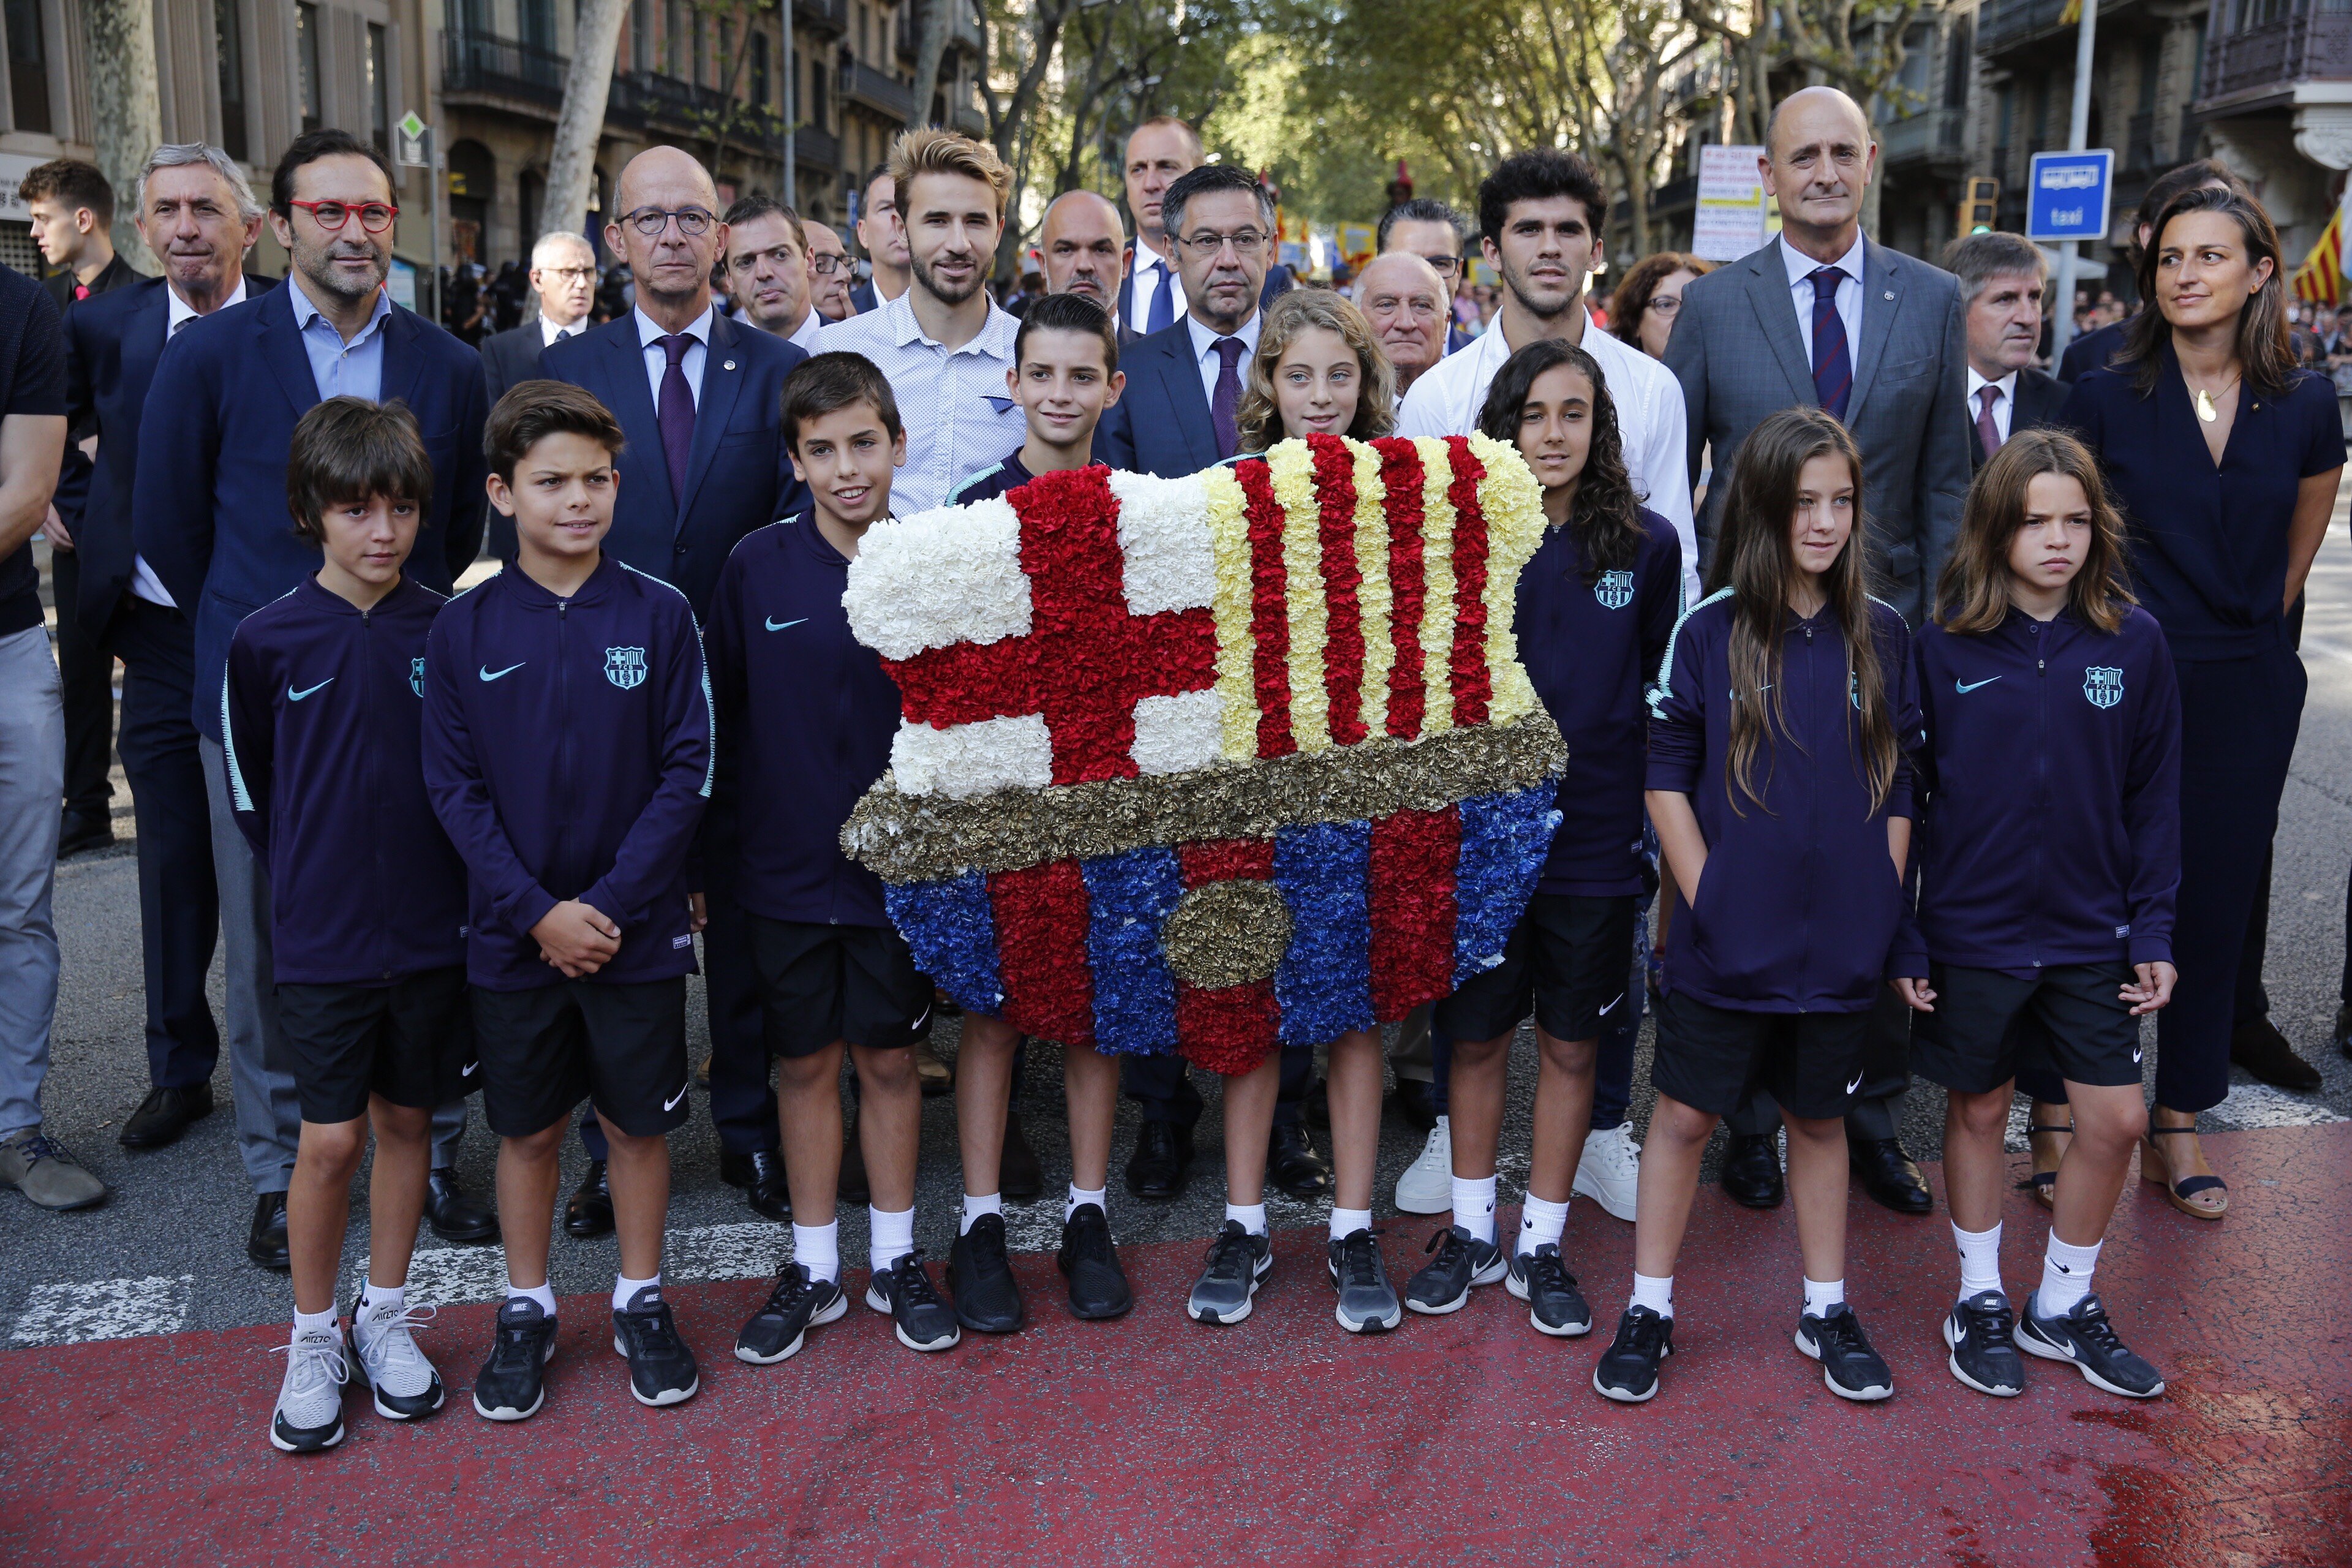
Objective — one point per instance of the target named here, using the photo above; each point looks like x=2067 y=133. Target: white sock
x=314 y=1322
x=1473 y=1206
x=542 y=1294
x=1655 y=1292
x=624 y=1289
x=377 y=1301
x=2065 y=1276
x=889 y=1238
x=1822 y=1294
x=1979 y=1259
x=1540 y=1222
x=817 y=1248
x=1346 y=1223
x=1099 y=1197
x=1250 y=1216
x=976 y=1206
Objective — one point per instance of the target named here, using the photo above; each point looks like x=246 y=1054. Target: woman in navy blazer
x=2223 y=457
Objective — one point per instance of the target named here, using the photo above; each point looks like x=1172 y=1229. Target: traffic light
x=1979 y=205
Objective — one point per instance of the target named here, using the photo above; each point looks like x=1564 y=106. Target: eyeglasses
x=374 y=216
x=651 y=221
x=567 y=274
x=1206 y=245
x=781 y=256
x=1445 y=265
x=1664 y=304
x=825 y=264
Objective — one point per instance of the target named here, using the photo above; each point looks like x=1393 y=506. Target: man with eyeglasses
x=767 y=265
x=1430 y=229
x=208 y=509
x=831 y=272
x=564 y=277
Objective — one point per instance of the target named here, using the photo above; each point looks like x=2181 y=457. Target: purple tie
x=1833 y=365
x=1988 y=433
x=674 y=412
x=1228 y=397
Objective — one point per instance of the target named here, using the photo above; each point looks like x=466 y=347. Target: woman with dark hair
x=1649 y=297
x=2223 y=457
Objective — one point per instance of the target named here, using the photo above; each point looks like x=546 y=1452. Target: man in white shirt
x=767 y=267
x=1403 y=300
x=1539 y=214
x=563 y=276
x=1158 y=152
x=2003 y=284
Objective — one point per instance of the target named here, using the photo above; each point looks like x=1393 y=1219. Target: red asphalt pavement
x=1155 y=1440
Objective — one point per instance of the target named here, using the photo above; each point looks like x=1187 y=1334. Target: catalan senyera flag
x=2320 y=279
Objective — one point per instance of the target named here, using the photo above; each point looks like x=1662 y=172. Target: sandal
x=2044 y=1183
x=2184 y=1193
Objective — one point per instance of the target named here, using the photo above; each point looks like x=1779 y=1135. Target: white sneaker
x=1427 y=1184
x=389 y=1364
x=1611 y=1170
x=309 y=1413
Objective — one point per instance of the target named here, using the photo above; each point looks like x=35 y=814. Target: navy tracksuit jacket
x=321 y=723
x=568 y=753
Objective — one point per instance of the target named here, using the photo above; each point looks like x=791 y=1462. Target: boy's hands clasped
x=577 y=938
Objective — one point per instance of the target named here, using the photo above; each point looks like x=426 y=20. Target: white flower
x=1163 y=532
x=1177 y=734
x=965 y=760
x=951 y=574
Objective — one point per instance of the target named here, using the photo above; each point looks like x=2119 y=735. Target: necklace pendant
x=2205 y=409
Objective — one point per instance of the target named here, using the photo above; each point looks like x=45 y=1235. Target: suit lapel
x=635 y=402
x=281 y=349
x=722 y=381
x=403 y=357
x=1183 y=380
x=1882 y=301
x=1776 y=314
x=143 y=343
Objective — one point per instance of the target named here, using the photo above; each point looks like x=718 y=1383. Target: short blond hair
x=927 y=149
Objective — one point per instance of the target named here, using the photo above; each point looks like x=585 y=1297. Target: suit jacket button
x=681 y=547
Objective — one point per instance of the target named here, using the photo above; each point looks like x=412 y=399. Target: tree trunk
x=930 y=48
x=571 y=166
x=125 y=107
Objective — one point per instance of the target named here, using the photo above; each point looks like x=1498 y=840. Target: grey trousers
x=32 y=785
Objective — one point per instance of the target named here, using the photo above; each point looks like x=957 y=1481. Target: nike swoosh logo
x=294 y=696
x=921 y=1022
x=2135 y=1055
x=1856 y=1084
x=1963 y=687
x=776 y=625
x=486 y=673
x=672 y=1102
x=1604 y=1012
x=469 y=1071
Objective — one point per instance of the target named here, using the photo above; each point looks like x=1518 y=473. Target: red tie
x=81 y=291
x=1988 y=433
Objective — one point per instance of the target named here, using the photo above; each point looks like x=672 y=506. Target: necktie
x=81 y=291
x=1988 y=433
x=1228 y=396
x=1833 y=365
x=674 y=412
x=1163 y=301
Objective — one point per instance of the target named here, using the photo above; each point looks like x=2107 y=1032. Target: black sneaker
x=796 y=1305
x=1628 y=1370
x=661 y=1369
x=1089 y=1261
x=1238 y=1264
x=1368 y=1302
x=2084 y=1336
x=980 y=1278
x=1984 y=1355
x=905 y=1291
x=511 y=1384
x=1463 y=1260
x=1554 y=1306
x=1849 y=1366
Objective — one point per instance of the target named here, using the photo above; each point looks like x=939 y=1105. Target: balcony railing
x=862 y=84
x=2314 y=41
x=502 y=68
x=2005 y=24
x=829 y=17
x=815 y=148
x=1929 y=134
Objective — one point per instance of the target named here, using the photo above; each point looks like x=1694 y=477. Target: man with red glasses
x=209 y=516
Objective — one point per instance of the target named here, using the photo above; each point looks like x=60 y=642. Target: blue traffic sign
x=2066 y=194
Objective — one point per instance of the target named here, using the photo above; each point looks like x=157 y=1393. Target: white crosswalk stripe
x=104 y=1309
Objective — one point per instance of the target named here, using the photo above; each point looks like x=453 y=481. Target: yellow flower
x=1228 y=536
x=1437 y=616
x=1292 y=469
x=1513 y=503
x=1373 y=561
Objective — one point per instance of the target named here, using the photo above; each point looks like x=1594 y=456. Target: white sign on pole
x=1730 y=222
x=15 y=166
x=408 y=143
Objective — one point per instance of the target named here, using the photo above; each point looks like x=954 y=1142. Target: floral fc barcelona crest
x=1614 y=590
x=625 y=666
x=2104 y=685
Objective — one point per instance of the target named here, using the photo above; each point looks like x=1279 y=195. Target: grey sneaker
x=309 y=1418
x=42 y=1171
x=1368 y=1302
x=391 y=1366
x=1238 y=1263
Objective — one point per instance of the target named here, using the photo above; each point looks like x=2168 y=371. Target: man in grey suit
x=1823 y=316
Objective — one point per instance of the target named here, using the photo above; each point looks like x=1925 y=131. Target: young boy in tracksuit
x=321 y=723
x=1065 y=375
x=568 y=751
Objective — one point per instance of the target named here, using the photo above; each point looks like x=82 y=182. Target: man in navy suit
x=1176 y=418
x=2005 y=290
x=1152 y=295
x=208 y=507
x=701 y=399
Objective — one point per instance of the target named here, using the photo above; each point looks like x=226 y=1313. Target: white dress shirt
x=958 y=416
x=658 y=358
x=1212 y=365
x=550 y=334
x=2004 y=404
x=1801 y=268
x=144 y=583
x=1447 y=397
x=1149 y=266
x=805 y=339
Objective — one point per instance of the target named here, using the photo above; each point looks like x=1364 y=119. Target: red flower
x=1269 y=610
x=1473 y=684
x=1401 y=479
x=1040 y=924
x=1343 y=639
x=1412 y=908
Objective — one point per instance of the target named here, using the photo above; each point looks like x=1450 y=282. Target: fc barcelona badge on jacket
x=416 y=676
x=2103 y=685
x=625 y=666
x=1615 y=590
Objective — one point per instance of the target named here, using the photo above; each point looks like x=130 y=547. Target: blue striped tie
x=1833 y=365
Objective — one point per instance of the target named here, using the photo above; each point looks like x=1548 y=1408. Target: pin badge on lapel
x=731 y=364
x=1890 y=294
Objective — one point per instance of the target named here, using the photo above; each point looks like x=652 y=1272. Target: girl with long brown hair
x=1779 y=787
x=2049 y=854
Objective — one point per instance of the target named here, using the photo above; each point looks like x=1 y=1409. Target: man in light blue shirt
x=342 y=368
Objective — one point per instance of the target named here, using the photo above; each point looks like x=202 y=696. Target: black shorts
x=1971 y=1043
x=1570 y=961
x=819 y=984
x=1709 y=1056
x=545 y=1050
x=411 y=1041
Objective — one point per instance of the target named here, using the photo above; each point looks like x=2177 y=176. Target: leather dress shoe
x=164 y=1114
x=1293 y=1165
x=2343 y=1033
x=2262 y=1050
x=1417 y=1101
x=80 y=830
x=266 y=1242
x=589 y=1211
x=1752 y=1171
x=1162 y=1158
x=1889 y=1177
x=1018 y=1175
x=761 y=1175
x=454 y=1213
